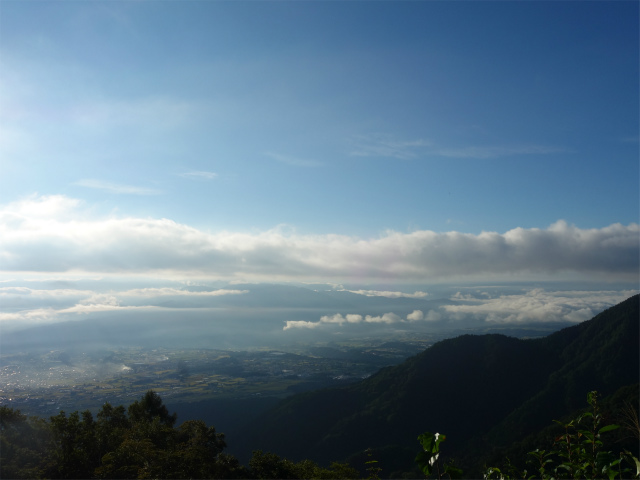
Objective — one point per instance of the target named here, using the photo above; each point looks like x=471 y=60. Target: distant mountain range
x=482 y=391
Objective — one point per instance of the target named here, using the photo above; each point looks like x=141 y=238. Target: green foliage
x=271 y=466
x=149 y=407
x=75 y=446
x=577 y=453
x=23 y=440
x=373 y=467
x=429 y=458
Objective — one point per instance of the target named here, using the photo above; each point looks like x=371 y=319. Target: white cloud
x=89 y=296
x=166 y=291
x=58 y=207
x=301 y=324
x=102 y=299
x=96 y=304
x=65 y=242
x=379 y=293
x=58 y=292
x=83 y=308
x=387 y=318
x=339 y=319
x=537 y=305
x=35 y=316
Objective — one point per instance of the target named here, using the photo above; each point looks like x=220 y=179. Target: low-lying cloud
x=537 y=305
x=388 y=294
x=482 y=308
x=66 y=241
x=339 y=319
x=25 y=306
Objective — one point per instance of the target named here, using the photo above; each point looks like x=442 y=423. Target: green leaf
x=608 y=428
x=427 y=440
x=423 y=459
x=439 y=439
x=611 y=474
x=453 y=472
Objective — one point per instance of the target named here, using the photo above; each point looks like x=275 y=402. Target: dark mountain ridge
x=476 y=389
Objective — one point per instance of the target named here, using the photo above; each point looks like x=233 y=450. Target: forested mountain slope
x=473 y=388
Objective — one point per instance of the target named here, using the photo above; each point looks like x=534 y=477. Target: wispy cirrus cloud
x=294 y=161
x=386 y=146
x=199 y=175
x=117 y=188
x=390 y=147
x=481 y=152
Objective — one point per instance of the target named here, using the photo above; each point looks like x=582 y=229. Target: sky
x=366 y=146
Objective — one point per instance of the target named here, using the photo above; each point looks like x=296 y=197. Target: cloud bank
x=537 y=305
x=533 y=306
x=51 y=234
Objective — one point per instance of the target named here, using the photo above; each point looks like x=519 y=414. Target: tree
x=149 y=407
x=111 y=426
x=271 y=466
x=75 y=445
x=24 y=444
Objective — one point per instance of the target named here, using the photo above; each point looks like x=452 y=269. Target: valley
x=46 y=382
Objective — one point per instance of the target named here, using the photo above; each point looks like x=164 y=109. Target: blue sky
x=390 y=142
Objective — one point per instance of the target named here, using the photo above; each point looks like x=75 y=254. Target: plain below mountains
x=480 y=390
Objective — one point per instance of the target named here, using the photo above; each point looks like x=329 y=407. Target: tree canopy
x=141 y=441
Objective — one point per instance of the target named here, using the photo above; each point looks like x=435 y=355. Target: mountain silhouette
x=477 y=389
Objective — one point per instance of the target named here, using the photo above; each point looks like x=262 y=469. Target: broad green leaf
x=608 y=428
x=439 y=438
x=427 y=440
x=423 y=460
